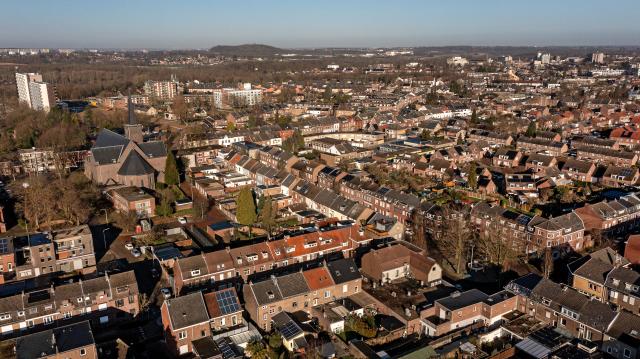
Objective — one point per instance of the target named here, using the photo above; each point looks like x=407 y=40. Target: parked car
x=182 y=220
x=128 y=246
x=166 y=292
x=136 y=252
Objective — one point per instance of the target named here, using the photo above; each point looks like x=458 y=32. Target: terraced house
x=61 y=251
x=102 y=300
x=300 y=290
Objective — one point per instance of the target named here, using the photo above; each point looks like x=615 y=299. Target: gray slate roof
x=135 y=165
x=187 y=310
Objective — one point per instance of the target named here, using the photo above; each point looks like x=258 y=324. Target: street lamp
x=106 y=215
x=104 y=240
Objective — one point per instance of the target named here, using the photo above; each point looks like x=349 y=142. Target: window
x=83 y=352
x=5 y=316
x=627 y=353
x=182 y=335
x=563 y=322
x=195 y=272
x=327 y=294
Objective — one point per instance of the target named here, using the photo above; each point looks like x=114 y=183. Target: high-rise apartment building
x=34 y=92
x=165 y=90
x=597 y=58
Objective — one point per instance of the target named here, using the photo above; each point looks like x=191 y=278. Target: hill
x=247 y=50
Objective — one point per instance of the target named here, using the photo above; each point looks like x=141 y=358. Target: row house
x=328 y=202
x=457 y=154
x=220 y=268
x=380 y=199
x=199 y=156
x=506 y=157
x=540 y=163
x=460 y=310
x=436 y=168
x=625 y=136
x=563 y=232
x=597 y=154
x=189 y=318
x=202 y=271
x=578 y=170
x=609 y=280
x=562 y=307
x=525 y=183
x=300 y=291
x=493 y=138
x=591 y=141
x=313 y=126
x=536 y=144
x=103 y=300
x=65 y=250
x=275 y=157
x=616 y=176
x=509 y=226
x=611 y=218
x=68 y=341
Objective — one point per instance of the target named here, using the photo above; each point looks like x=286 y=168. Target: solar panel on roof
x=225 y=349
x=290 y=330
x=227 y=302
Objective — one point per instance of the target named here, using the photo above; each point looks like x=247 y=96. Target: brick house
x=578 y=170
x=292 y=292
x=225 y=311
x=184 y=320
x=616 y=176
x=506 y=157
x=203 y=270
x=102 y=300
x=562 y=307
x=61 y=251
x=535 y=144
x=134 y=200
x=460 y=310
x=597 y=154
x=73 y=341
x=399 y=261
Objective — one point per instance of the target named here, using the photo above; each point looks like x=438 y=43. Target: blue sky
x=306 y=23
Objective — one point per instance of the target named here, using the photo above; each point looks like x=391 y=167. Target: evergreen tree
x=474 y=117
x=473 y=177
x=531 y=129
x=246 y=208
x=171 y=175
x=267 y=215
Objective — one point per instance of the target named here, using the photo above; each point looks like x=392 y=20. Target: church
x=126 y=160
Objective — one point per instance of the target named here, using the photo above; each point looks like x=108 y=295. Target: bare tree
x=454 y=236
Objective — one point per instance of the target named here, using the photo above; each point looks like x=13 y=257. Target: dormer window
x=271 y=295
x=195 y=272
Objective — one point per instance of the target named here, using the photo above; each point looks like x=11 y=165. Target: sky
x=187 y=24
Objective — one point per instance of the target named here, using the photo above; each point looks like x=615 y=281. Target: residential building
x=185 y=319
x=33 y=92
x=102 y=300
x=292 y=292
x=399 y=260
x=134 y=200
x=165 y=90
x=70 y=341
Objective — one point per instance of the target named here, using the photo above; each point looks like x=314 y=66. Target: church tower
x=133 y=130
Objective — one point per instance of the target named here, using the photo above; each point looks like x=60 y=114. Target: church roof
x=107 y=138
x=153 y=149
x=105 y=155
x=135 y=165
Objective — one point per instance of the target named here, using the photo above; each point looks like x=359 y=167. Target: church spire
x=132 y=117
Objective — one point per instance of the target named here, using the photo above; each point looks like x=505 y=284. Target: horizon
x=199 y=24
